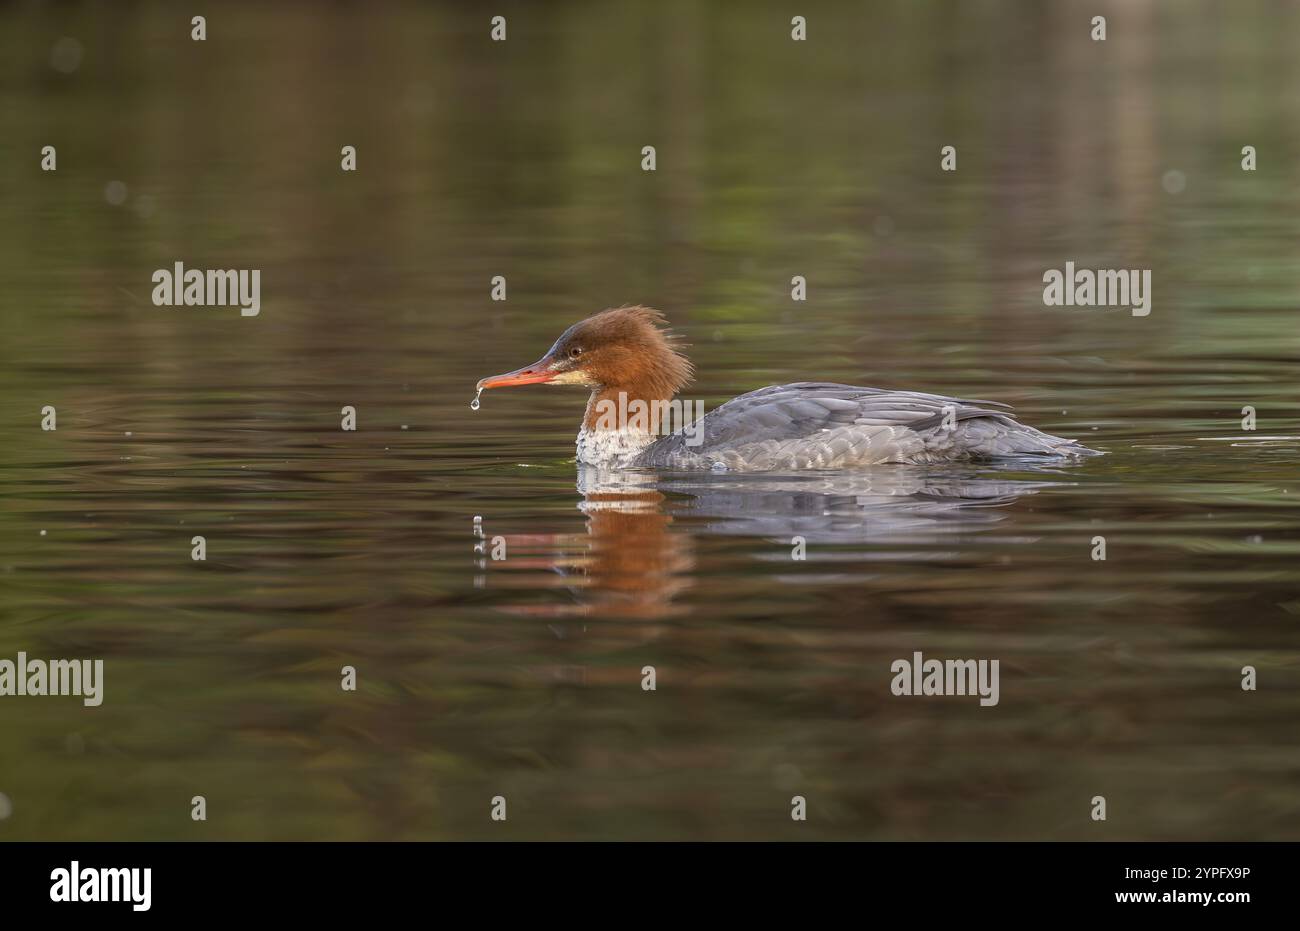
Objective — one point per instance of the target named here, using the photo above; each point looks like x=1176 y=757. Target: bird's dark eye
x=575 y=352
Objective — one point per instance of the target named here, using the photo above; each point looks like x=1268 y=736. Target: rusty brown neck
x=605 y=405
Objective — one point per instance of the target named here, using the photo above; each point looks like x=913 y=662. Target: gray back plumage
x=827 y=425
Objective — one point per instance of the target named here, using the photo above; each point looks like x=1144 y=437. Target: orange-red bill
x=535 y=374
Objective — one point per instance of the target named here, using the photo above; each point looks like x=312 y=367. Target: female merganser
x=624 y=356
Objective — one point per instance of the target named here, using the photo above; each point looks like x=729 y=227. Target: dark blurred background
x=522 y=158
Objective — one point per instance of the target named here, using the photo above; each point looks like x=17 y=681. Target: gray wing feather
x=826 y=425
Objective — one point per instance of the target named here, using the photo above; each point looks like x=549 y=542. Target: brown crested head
x=622 y=349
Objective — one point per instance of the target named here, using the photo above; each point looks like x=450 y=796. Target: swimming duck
x=633 y=367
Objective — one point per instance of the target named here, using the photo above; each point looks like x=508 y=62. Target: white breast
x=614 y=449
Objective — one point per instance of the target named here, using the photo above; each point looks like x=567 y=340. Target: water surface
x=522 y=677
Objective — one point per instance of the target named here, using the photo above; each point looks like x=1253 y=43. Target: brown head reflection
x=628 y=564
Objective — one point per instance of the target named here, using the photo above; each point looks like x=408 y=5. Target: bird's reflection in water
x=636 y=564
x=628 y=563
x=638 y=553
